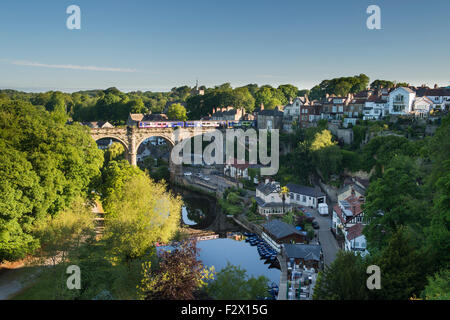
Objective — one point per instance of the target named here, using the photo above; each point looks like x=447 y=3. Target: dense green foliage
x=233 y=283
x=44 y=165
x=340 y=86
x=408 y=214
x=135 y=222
x=176 y=111
x=344 y=279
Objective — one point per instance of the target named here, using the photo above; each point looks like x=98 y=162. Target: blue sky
x=156 y=45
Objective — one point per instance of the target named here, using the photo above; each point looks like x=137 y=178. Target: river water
x=200 y=212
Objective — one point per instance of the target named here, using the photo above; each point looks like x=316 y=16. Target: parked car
x=188 y=174
x=206 y=178
x=315 y=225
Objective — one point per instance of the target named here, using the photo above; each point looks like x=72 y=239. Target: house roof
x=260 y=202
x=355 y=187
x=279 y=229
x=307 y=191
x=423 y=99
x=406 y=89
x=352 y=208
x=268 y=188
x=98 y=124
x=234 y=163
x=354 y=231
x=303 y=251
x=136 y=116
x=275 y=112
x=438 y=92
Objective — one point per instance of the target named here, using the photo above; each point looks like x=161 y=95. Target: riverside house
x=269 y=200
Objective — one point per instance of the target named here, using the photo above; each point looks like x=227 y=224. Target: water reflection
x=192 y=216
x=220 y=251
x=200 y=212
x=196 y=212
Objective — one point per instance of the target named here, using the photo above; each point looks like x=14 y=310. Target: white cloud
x=69 y=66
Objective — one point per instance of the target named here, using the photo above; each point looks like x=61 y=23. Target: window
x=303 y=198
x=298 y=197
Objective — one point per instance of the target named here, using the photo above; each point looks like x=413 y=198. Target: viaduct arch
x=132 y=137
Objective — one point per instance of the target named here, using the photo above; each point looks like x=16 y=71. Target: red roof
x=234 y=163
x=355 y=207
x=354 y=231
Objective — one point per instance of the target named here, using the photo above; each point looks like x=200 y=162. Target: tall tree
x=344 y=279
x=177 y=111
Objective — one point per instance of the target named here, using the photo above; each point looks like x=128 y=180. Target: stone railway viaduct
x=132 y=137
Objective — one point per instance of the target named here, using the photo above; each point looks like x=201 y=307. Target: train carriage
x=160 y=124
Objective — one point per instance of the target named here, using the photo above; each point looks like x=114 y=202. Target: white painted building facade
x=401 y=101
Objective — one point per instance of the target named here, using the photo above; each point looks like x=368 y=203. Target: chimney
x=327 y=95
x=290 y=100
x=262 y=106
x=214 y=110
x=436 y=86
x=267 y=180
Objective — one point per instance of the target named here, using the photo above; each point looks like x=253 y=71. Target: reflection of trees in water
x=198 y=211
x=194 y=214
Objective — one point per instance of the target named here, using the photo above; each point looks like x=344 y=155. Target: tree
x=178 y=276
x=177 y=111
x=139 y=214
x=45 y=165
x=402 y=267
x=377 y=84
x=394 y=200
x=284 y=191
x=322 y=139
x=233 y=283
x=289 y=91
x=344 y=279
x=65 y=231
x=438 y=287
x=115 y=152
x=243 y=99
x=272 y=103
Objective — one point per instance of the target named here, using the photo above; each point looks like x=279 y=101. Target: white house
x=355 y=241
x=375 y=108
x=440 y=97
x=401 y=101
x=236 y=170
x=347 y=213
x=422 y=107
x=269 y=200
x=305 y=196
x=291 y=112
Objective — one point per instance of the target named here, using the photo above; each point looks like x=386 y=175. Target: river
x=201 y=212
